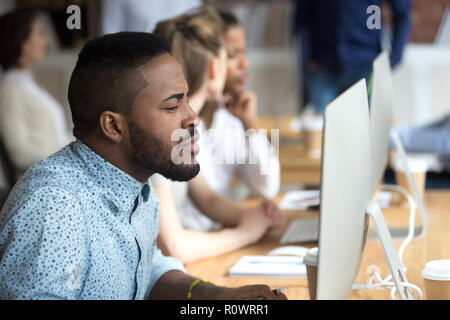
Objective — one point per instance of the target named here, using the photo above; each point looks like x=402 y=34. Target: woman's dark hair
x=15 y=28
x=229 y=20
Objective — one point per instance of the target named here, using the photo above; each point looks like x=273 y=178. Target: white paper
x=269 y=266
x=300 y=200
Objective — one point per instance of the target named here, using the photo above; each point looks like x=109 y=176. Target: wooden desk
x=283 y=124
x=435 y=245
x=297 y=167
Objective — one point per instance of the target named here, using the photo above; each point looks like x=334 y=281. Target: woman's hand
x=245 y=108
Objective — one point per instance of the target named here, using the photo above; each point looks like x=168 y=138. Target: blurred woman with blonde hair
x=196 y=41
x=237 y=112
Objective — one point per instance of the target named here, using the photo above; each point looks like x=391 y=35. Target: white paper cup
x=313 y=126
x=418 y=168
x=416 y=165
x=310 y=261
x=436 y=275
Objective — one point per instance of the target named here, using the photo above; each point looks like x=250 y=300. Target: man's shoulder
x=62 y=168
x=60 y=174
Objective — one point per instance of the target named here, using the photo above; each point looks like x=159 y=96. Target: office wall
x=275 y=77
x=3 y=183
x=425 y=19
x=6 y=5
x=54 y=74
x=421 y=81
x=421 y=84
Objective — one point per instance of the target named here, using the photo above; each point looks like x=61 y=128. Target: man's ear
x=112 y=125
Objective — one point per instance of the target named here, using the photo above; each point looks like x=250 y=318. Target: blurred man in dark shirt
x=340 y=41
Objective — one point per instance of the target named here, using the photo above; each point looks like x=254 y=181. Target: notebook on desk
x=269 y=266
x=300 y=200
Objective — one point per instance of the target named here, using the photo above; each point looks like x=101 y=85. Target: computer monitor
x=346 y=206
x=381 y=110
x=346 y=191
x=381 y=100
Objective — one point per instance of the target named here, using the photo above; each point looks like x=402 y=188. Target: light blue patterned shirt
x=77 y=227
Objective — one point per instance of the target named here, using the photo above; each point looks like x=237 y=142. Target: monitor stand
x=395 y=265
x=420 y=205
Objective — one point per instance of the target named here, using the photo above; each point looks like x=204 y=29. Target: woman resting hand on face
x=217 y=225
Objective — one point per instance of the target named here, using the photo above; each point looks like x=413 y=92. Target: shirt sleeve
x=162 y=264
x=261 y=172
x=434 y=138
x=43 y=248
x=400 y=10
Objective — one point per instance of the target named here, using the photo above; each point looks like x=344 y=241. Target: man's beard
x=155 y=155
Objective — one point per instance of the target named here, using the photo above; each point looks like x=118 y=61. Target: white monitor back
x=345 y=192
x=380 y=116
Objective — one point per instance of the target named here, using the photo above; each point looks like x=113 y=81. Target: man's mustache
x=191 y=133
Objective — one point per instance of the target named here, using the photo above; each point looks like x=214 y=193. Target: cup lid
x=311 y=257
x=313 y=123
x=296 y=124
x=437 y=270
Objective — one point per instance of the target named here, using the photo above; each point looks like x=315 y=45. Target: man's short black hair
x=107 y=76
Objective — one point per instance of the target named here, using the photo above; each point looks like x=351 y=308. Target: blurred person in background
x=197 y=44
x=237 y=111
x=138 y=15
x=338 y=47
x=32 y=122
x=83 y=223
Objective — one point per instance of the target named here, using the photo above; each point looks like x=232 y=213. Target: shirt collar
x=19 y=75
x=123 y=188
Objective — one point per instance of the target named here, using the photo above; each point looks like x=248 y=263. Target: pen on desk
x=275 y=291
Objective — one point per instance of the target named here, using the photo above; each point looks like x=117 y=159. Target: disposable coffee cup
x=313 y=126
x=418 y=169
x=436 y=275
x=310 y=261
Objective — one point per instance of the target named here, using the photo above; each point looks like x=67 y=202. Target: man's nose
x=190 y=119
